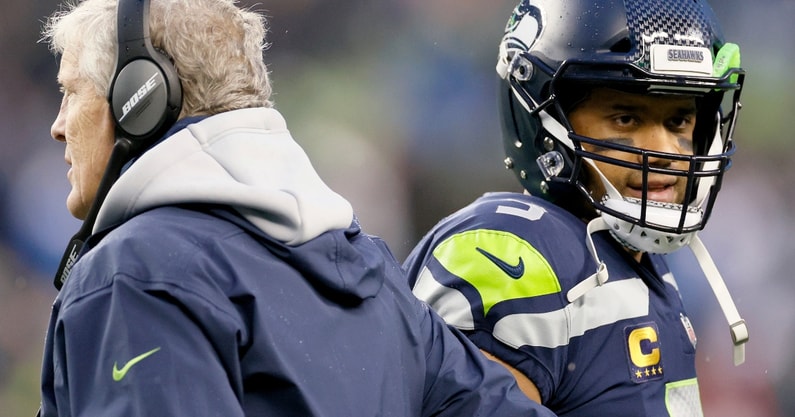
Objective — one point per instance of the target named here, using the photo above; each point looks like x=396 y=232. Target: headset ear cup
x=145 y=100
x=145 y=94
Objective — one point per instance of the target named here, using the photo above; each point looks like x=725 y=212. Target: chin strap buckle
x=601 y=276
x=739 y=332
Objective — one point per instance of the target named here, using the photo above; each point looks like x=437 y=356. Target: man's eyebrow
x=65 y=80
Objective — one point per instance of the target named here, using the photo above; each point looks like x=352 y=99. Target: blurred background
x=395 y=102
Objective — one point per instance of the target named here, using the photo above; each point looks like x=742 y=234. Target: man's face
x=651 y=122
x=85 y=124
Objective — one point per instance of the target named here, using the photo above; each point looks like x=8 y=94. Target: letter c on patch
x=640 y=340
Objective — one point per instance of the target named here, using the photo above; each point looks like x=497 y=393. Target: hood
x=245 y=159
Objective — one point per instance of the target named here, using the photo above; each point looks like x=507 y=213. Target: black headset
x=145 y=94
x=145 y=99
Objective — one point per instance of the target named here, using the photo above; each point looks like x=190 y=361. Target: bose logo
x=136 y=98
x=70 y=262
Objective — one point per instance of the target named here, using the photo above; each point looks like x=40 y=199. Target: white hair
x=216 y=48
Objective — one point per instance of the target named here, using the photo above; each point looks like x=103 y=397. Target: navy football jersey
x=500 y=270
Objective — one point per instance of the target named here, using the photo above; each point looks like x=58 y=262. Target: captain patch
x=644 y=352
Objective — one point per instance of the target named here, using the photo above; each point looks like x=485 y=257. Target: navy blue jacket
x=184 y=307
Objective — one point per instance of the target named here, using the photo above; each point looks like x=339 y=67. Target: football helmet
x=553 y=51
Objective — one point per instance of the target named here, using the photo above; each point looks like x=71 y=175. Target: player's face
x=85 y=125
x=651 y=122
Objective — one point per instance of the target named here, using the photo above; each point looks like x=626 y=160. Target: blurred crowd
x=395 y=102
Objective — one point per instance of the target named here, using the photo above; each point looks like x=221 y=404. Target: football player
x=617 y=119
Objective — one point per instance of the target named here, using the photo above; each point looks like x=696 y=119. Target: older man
x=216 y=274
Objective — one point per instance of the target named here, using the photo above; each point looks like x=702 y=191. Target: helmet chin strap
x=601 y=275
x=737 y=326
